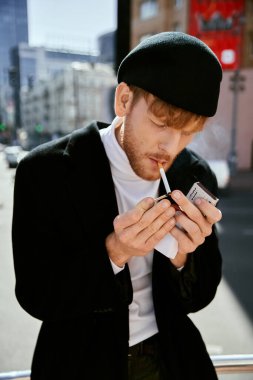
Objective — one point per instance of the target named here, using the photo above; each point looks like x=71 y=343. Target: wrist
x=117 y=256
x=179 y=260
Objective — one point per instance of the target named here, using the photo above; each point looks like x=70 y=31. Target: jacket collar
x=90 y=180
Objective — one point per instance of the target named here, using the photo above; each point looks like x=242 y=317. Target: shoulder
x=65 y=148
x=189 y=167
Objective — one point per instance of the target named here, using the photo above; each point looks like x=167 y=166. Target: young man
x=111 y=272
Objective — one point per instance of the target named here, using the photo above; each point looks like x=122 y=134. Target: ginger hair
x=171 y=115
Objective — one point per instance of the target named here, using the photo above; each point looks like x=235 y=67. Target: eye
x=159 y=124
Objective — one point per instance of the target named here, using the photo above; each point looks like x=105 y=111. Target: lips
x=162 y=161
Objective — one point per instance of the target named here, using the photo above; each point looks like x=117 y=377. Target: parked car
x=2 y=146
x=13 y=154
x=21 y=155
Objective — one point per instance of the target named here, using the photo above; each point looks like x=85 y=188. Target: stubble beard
x=137 y=160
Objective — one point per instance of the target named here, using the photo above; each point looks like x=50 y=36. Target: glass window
x=179 y=4
x=27 y=70
x=148 y=9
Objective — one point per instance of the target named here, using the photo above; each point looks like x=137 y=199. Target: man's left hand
x=194 y=224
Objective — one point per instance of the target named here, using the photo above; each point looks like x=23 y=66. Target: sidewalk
x=242 y=180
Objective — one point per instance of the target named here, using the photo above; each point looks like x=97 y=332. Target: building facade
x=78 y=94
x=154 y=16
x=13 y=30
x=216 y=21
x=34 y=65
x=106 y=47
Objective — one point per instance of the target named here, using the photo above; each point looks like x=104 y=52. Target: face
x=146 y=141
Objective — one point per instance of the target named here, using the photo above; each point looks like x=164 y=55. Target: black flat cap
x=177 y=68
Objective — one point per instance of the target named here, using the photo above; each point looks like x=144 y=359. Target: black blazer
x=64 y=206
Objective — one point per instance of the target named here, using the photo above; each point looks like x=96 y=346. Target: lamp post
x=236 y=85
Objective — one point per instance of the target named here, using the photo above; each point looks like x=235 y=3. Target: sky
x=70 y=24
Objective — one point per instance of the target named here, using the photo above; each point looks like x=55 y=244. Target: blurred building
x=154 y=16
x=221 y=24
x=227 y=27
x=13 y=30
x=75 y=96
x=106 y=47
x=34 y=65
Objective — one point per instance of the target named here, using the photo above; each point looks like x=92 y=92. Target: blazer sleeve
x=61 y=266
x=194 y=287
x=197 y=282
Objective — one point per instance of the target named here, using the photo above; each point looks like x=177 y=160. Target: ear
x=123 y=99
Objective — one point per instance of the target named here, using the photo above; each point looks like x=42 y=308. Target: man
x=110 y=271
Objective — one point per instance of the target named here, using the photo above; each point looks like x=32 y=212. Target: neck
x=119 y=133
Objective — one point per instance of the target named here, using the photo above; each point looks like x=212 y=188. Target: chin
x=144 y=171
x=149 y=176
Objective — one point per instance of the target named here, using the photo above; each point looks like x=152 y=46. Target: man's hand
x=194 y=224
x=137 y=231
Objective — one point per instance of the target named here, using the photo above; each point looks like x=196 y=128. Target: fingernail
x=164 y=204
x=176 y=194
x=198 y=201
x=149 y=201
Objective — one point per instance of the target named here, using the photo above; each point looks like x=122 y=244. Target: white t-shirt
x=130 y=189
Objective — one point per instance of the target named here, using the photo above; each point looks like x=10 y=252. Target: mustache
x=161 y=157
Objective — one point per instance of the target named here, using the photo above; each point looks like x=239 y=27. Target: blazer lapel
x=90 y=181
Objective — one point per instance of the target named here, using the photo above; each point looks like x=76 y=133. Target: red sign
x=220 y=25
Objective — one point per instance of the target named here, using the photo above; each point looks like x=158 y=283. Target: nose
x=171 y=142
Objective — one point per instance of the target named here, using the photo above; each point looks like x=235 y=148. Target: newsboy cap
x=177 y=68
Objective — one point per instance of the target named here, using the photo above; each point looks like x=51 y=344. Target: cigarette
x=165 y=181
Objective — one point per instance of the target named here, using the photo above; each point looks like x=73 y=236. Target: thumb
x=134 y=215
x=144 y=205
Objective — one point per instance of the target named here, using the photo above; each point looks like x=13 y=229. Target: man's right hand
x=136 y=232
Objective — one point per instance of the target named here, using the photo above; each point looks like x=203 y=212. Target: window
x=148 y=9
x=179 y=4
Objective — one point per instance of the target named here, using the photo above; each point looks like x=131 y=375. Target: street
x=18 y=330
x=226 y=324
